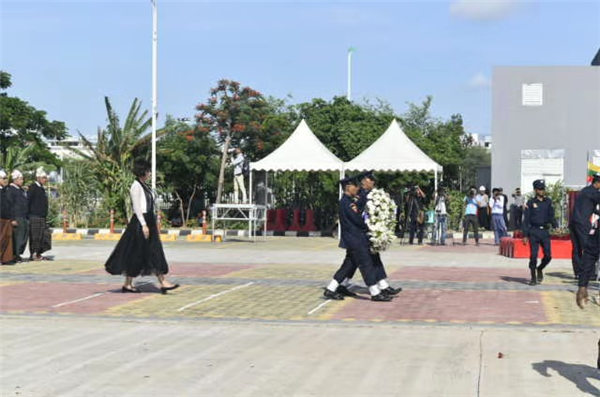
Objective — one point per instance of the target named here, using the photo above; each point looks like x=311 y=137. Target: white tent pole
x=266 y=186
x=435 y=181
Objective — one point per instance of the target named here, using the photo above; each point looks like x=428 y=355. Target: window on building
x=532 y=94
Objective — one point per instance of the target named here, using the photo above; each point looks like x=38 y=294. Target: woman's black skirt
x=135 y=255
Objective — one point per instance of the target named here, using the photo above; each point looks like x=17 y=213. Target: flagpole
x=349 y=91
x=154 y=87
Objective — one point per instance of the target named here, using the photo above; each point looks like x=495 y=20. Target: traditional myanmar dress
x=135 y=255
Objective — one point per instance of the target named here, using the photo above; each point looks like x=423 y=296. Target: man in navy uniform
x=586 y=218
x=356 y=242
x=579 y=224
x=367 y=181
x=539 y=216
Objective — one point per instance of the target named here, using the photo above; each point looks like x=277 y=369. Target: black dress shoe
x=391 y=290
x=381 y=298
x=132 y=290
x=9 y=263
x=333 y=295
x=540 y=276
x=345 y=291
x=163 y=290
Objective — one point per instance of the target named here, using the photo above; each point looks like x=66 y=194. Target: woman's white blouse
x=138 y=200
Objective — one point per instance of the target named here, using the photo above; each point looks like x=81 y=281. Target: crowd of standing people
x=23 y=213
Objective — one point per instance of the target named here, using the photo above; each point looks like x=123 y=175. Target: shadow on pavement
x=566 y=277
x=519 y=280
x=579 y=374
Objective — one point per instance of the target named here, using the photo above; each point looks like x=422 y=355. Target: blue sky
x=65 y=56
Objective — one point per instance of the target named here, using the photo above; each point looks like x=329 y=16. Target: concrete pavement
x=249 y=320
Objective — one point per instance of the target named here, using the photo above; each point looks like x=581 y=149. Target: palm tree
x=111 y=158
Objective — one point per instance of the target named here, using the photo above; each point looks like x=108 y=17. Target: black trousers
x=591 y=253
x=517 y=217
x=483 y=218
x=470 y=220
x=349 y=266
x=539 y=237
x=418 y=229
x=579 y=234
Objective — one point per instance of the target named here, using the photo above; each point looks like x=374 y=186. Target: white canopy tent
x=302 y=151
x=394 y=151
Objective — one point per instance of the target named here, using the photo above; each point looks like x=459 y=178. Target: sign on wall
x=547 y=164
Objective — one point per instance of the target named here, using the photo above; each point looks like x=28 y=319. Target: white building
x=62 y=151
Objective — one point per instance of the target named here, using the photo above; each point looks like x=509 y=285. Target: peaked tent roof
x=393 y=151
x=302 y=151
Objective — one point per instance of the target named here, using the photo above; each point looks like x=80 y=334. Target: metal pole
x=250 y=200
x=154 y=88
x=349 y=94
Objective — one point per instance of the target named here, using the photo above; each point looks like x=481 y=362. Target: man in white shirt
x=238 y=176
x=497 y=209
x=442 y=216
x=482 y=213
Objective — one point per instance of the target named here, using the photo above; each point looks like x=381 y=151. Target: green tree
x=233 y=115
x=346 y=128
x=187 y=163
x=112 y=155
x=22 y=125
x=442 y=140
x=79 y=192
x=475 y=157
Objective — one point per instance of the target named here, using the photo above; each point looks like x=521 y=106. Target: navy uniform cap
x=596 y=177
x=349 y=180
x=539 y=184
x=367 y=174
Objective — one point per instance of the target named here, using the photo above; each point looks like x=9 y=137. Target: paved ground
x=249 y=320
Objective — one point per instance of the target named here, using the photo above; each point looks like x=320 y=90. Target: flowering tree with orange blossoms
x=233 y=115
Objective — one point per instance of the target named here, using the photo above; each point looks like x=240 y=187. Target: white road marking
x=79 y=300
x=90 y=297
x=318 y=307
x=182 y=308
x=532 y=301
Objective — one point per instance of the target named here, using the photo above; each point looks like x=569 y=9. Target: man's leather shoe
x=391 y=290
x=333 y=295
x=381 y=298
x=345 y=291
x=540 y=276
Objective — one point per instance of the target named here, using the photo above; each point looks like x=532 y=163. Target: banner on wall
x=593 y=165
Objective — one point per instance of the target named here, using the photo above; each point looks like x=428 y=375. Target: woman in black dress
x=139 y=251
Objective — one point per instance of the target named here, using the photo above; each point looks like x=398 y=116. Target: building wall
x=569 y=119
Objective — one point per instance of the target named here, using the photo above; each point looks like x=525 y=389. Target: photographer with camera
x=239 y=164
x=470 y=218
x=415 y=214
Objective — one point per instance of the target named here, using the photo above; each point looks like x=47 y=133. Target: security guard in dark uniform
x=579 y=224
x=539 y=216
x=587 y=214
x=367 y=180
x=356 y=242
